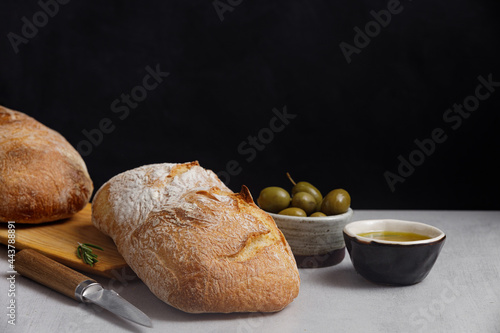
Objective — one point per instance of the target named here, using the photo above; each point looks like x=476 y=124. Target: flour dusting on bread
x=197 y=245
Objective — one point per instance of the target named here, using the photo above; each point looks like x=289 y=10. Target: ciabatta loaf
x=42 y=177
x=197 y=245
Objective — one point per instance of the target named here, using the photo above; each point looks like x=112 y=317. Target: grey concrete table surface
x=461 y=294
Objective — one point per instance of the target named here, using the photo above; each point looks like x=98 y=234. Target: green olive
x=273 y=199
x=317 y=214
x=309 y=188
x=318 y=206
x=293 y=211
x=336 y=202
x=305 y=201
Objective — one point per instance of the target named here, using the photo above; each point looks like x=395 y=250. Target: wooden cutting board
x=59 y=240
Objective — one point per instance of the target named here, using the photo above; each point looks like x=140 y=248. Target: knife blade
x=63 y=279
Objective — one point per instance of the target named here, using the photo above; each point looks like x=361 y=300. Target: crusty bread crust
x=197 y=245
x=42 y=177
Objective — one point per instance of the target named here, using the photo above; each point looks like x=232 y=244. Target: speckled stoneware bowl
x=392 y=262
x=315 y=241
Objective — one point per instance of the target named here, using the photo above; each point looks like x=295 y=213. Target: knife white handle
x=50 y=273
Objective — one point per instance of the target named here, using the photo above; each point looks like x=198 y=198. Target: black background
x=352 y=120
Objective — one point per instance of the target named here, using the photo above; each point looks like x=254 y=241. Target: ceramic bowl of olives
x=312 y=224
x=393 y=252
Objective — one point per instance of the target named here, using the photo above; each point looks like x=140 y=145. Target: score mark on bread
x=197 y=245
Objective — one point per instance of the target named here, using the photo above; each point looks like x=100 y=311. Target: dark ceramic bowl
x=392 y=262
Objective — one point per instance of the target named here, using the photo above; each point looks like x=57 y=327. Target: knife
x=54 y=275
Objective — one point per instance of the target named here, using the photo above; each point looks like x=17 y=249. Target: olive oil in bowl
x=393 y=252
x=395 y=236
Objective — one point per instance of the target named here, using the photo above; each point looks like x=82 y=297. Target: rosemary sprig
x=84 y=252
